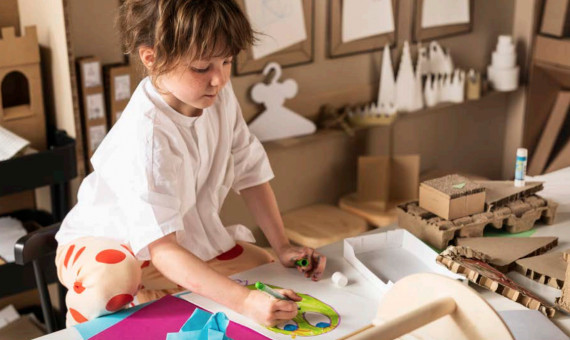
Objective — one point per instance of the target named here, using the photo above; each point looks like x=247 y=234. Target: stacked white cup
x=503 y=72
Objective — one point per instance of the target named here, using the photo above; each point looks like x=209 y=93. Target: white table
x=557 y=188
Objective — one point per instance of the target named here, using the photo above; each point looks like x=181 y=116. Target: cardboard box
x=556 y=18
x=384 y=258
x=451 y=197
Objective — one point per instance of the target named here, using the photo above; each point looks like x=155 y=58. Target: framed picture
x=361 y=26
x=91 y=74
x=120 y=83
x=95 y=106
x=96 y=135
x=286 y=28
x=440 y=18
x=92 y=103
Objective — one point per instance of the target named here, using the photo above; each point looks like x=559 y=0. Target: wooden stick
x=406 y=323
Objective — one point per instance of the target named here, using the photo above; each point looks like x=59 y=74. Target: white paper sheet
x=7 y=315
x=281 y=22
x=444 y=12
x=354 y=303
x=366 y=18
x=11 y=230
x=531 y=325
x=10 y=144
x=556 y=186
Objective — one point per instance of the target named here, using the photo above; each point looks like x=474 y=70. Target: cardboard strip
x=548 y=269
x=563 y=302
x=504 y=251
x=501 y=193
x=473 y=266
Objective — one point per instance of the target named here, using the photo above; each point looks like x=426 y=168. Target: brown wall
x=467 y=137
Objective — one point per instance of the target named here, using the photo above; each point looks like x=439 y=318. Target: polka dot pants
x=103 y=276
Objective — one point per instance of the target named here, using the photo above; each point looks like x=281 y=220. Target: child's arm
x=190 y=272
x=261 y=201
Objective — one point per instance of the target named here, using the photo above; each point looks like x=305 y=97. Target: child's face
x=192 y=87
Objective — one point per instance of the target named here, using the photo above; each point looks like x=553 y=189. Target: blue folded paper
x=202 y=325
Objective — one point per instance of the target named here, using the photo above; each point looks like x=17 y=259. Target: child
x=164 y=170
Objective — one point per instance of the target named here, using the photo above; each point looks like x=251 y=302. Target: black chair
x=35 y=247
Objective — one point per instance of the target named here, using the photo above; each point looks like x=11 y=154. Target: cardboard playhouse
x=22 y=103
x=515 y=209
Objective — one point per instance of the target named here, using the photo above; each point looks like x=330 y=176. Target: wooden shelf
x=327 y=134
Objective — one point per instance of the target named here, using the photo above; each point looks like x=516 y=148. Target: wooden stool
x=431 y=306
x=319 y=225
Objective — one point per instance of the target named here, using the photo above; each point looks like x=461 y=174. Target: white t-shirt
x=158 y=172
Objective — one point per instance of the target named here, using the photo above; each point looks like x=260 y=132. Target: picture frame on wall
x=361 y=26
x=120 y=84
x=434 y=19
x=286 y=36
x=92 y=104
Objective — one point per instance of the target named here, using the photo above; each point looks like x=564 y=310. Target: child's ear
x=147 y=56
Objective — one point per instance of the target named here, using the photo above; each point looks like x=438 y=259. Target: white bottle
x=520 y=167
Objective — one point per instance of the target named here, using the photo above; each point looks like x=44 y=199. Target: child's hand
x=288 y=255
x=269 y=311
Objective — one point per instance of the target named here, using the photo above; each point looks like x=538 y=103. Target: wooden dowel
x=406 y=323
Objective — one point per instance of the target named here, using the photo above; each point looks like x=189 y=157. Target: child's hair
x=183 y=30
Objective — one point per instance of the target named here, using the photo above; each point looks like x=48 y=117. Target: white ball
x=339 y=279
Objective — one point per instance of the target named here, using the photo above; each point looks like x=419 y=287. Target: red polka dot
x=128 y=249
x=78 y=254
x=231 y=254
x=118 y=301
x=78 y=287
x=68 y=255
x=78 y=317
x=145 y=264
x=110 y=256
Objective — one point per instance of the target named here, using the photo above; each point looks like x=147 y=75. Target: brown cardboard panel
x=374 y=178
x=556 y=18
x=548 y=269
x=500 y=193
x=473 y=265
x=552 y=51
x=504 y=251
x=377 y=213
x=404 y=177
x=22 y=328
x=564 y=301
x=550 y=133
x=561 y=160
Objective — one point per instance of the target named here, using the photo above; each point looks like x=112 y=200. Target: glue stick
x=520 y=167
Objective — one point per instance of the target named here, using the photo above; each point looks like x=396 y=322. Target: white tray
x=385 y=258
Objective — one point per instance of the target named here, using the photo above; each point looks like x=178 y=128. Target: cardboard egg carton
x=516 y=216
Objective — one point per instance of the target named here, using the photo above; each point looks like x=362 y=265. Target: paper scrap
x=10 y=144
x=459 y=186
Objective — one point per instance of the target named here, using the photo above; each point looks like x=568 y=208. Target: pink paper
x=164 y=316
x=151 y=322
